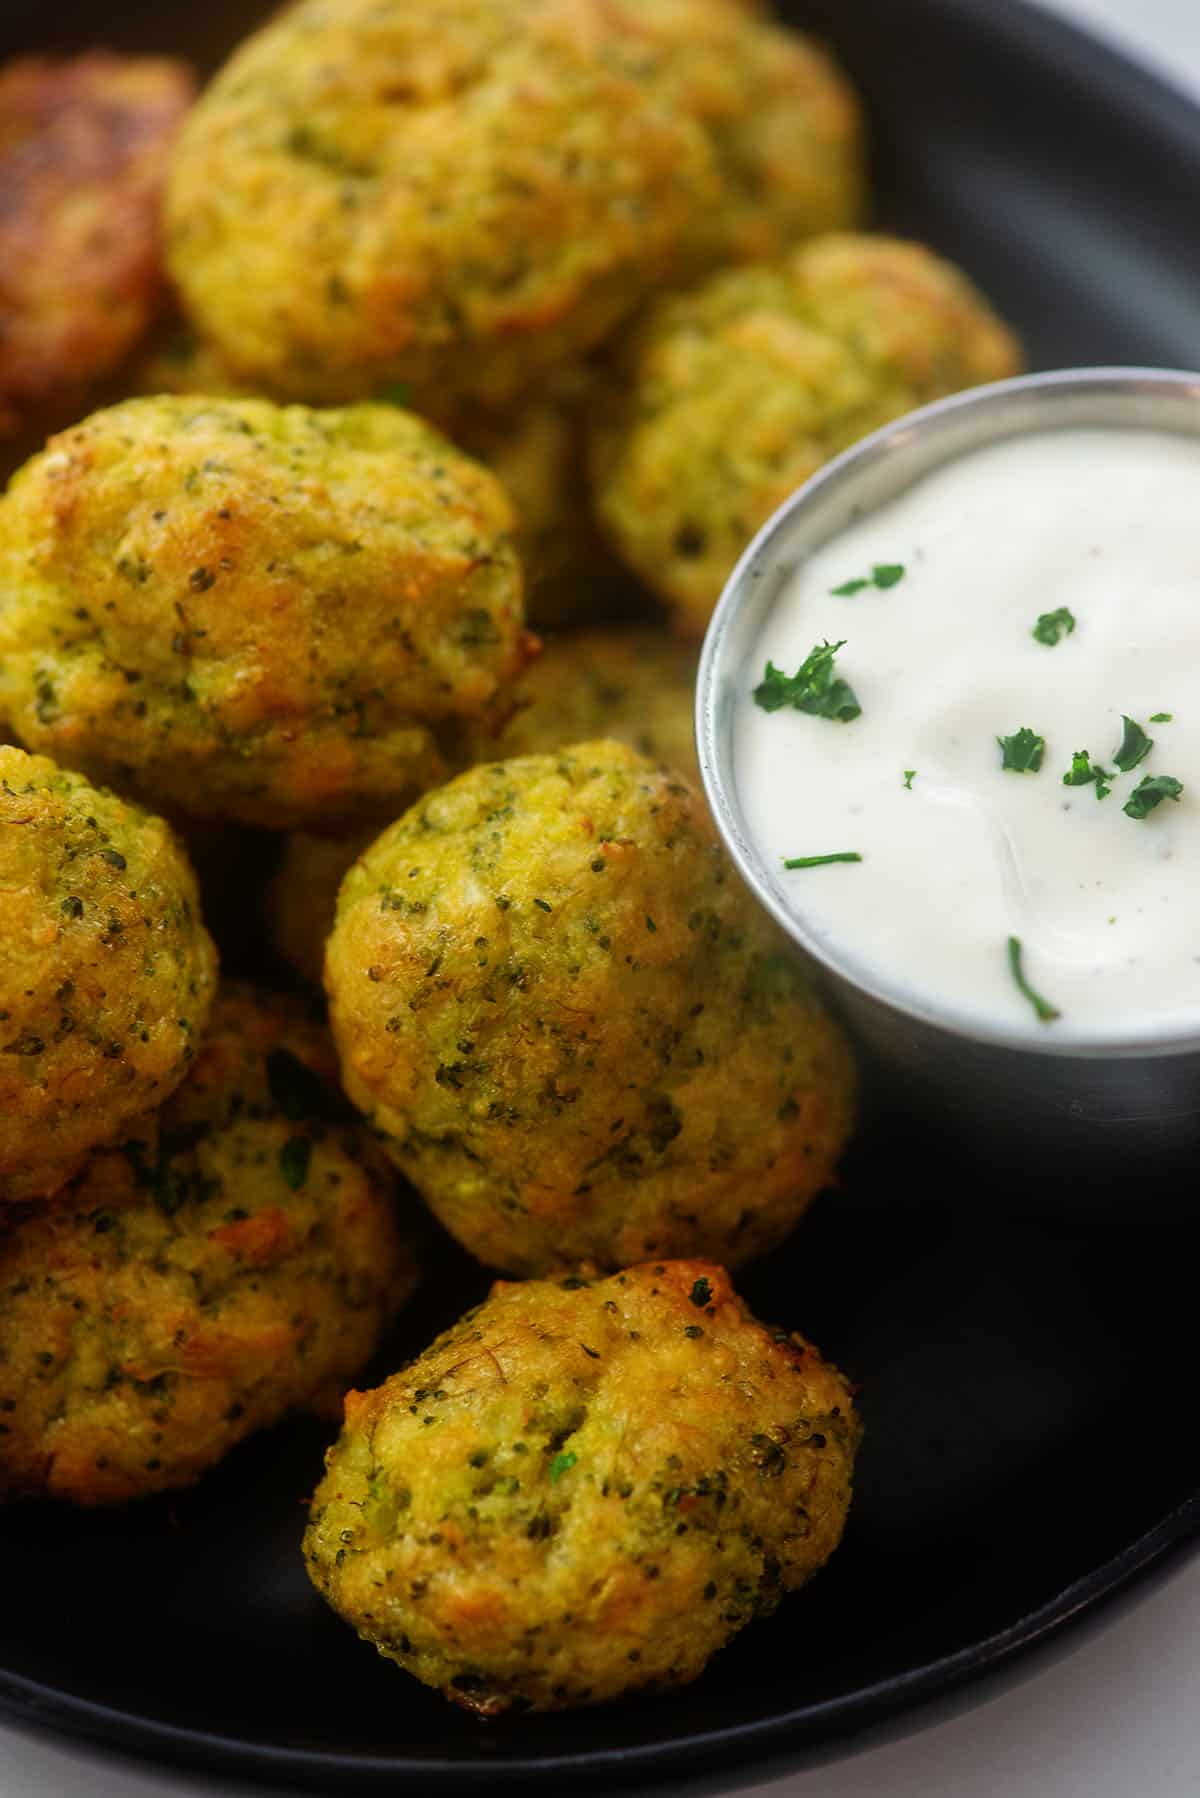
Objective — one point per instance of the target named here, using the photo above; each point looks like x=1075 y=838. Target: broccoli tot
x=571 y=1026
x=84 y=142
x=271 y=614
x=465 y=200
x=722 y=401
x=635 y=685
x=459 y=200
x=106 y=975
x=301 y=896
x=234 y=1261
x=583 y=1490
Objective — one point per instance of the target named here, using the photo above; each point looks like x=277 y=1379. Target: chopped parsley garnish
x=1023 y=751
x=1162 y=717
x=1045 y=1011
x=1149 y=793
x=821 y=861
x=1135 y=746
x=887 y=574
x=1083 y=771
x=399 y=394
x=883 y=576
x=910 y=774
x=701 y=1293
x=1052 y=627
x=812 y=688
x=294 y=1158
x=561 y=1464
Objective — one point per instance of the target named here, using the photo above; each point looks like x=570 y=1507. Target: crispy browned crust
x=83 y=149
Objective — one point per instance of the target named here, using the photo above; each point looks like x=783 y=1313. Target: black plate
x=1024 y=1348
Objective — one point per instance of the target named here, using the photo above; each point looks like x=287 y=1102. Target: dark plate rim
x=1100 y=62
x=1163 y=1548
x=836 y=1725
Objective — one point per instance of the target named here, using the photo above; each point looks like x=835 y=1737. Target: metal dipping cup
x=1102 y=1104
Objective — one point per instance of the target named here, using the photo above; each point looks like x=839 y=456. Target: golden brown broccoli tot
x=106 y=970
x=572 y=1027
x=468 y=199
x=584 y=1489
x=784 y=125
x=236 y=1261
x=538 y=454
x=636 y=686
x=83 y=155
x=725 y=399
x=459 y=200
x=301 y=896
x=267 y=613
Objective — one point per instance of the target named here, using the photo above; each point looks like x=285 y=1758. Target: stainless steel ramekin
x=1101 y=1097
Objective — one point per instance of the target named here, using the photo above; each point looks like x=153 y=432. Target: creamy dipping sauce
x=1104 y=524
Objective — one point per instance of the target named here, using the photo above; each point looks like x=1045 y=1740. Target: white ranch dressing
x=1107 y=909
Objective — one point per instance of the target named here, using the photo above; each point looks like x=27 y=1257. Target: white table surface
x=1118 y=1718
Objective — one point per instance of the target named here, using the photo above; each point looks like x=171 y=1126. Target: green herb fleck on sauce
x=883 y=576
x=701 y=1293
x=1083 y=771
x=1023 y=751
x=1149 y=793
x=561 y=1464
x=887 y=574
x=1052 y=627
x=813 y=688
x=1135 y=746
x=821 y=861
x=1045 y=1011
